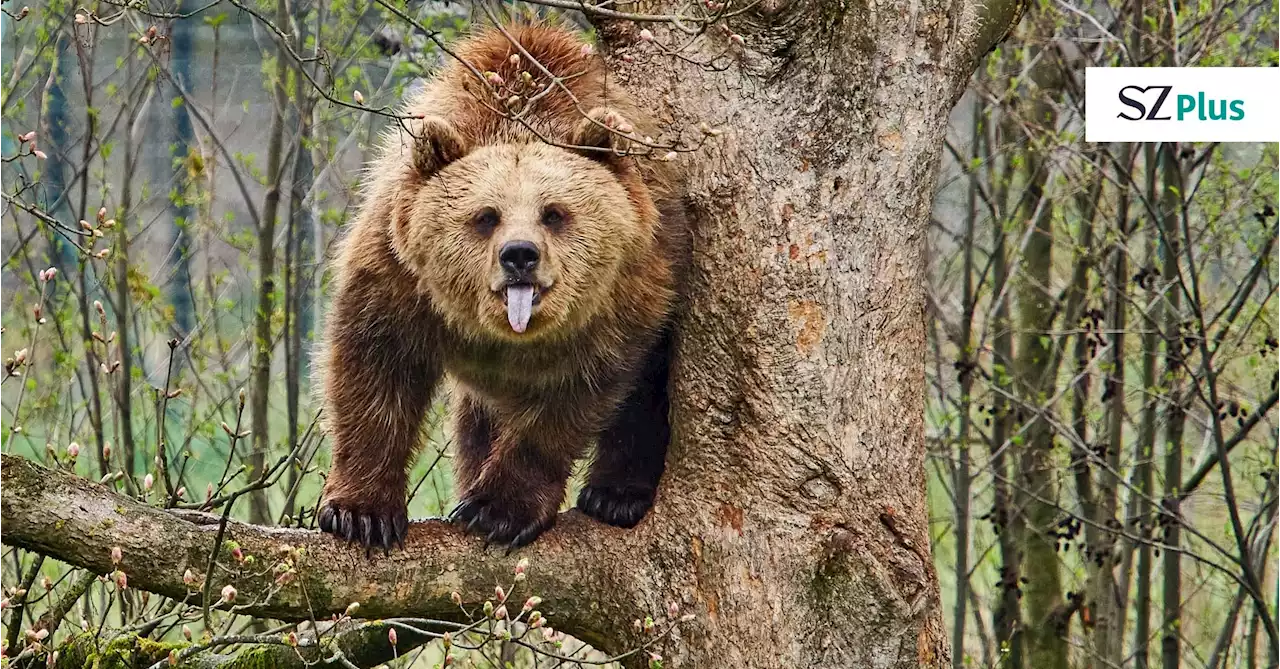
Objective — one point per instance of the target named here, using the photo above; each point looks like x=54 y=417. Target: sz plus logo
x=1138 y=100
x=1182 y=104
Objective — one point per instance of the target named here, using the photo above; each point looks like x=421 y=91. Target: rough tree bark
x=792 y=518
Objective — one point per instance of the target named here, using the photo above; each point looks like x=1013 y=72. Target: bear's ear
x=435 y=145
x=599 y=136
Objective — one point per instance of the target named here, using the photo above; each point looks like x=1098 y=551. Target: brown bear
x=508 y=241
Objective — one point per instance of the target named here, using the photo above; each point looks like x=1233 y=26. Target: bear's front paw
x=500 y=521
x=371 y=525
x=621 y=507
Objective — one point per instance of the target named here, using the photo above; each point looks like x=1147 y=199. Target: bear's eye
x=554 y=217
x=486 y=221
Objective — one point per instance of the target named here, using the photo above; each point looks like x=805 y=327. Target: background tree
x=1104 y=345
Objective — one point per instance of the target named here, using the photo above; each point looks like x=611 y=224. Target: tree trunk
x=1038 y=491
x=791 y=520
x=1007 y=523
x=1172 y=209
x=178 y=289
x=264 y=342
x=797 y=472
x=963 y=476
x=1144 y=452
x=1108 y=589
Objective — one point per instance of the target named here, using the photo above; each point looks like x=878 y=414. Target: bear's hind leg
x=631 y=452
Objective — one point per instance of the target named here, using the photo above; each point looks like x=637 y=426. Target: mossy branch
x=77 y=521
x=359 y=643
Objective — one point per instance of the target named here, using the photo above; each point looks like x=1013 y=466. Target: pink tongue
x=519 y=306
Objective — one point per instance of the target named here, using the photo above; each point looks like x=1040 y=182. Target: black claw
x=365 y=524
x=528 y=535
x=387 y=535
x=497 y=524
x=621 y=507
x=371 y=529
x=401 y=529
x=588 y=502
x=345 y=525
x=463 y=511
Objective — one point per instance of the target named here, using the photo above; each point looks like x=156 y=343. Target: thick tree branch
x=996 y=20
x=574 y=567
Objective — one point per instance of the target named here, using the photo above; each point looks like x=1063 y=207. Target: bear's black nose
x=519 y=256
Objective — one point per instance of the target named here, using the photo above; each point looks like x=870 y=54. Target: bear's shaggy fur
x=421 y=289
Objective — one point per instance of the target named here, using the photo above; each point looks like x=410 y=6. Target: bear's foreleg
x=510 y=485
x=472 y=438
x=631 y=451
x=378 y=384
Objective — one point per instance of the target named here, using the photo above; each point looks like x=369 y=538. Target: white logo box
x=1251 y=92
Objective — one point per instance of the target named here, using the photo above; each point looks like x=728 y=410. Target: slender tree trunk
x=55 y=128
x=299 y=265
x=980 y=627
x=259 y=410
x=178 y=288
x=1083 y=347
x=122 y=307
x=86 y=329
x=967 y=363
x=1143 y=489
x=1262 y=543
x=1174 y=415
x=1144 y=452
x=1008 y=613
x=1037 y=490
x=1105 y=589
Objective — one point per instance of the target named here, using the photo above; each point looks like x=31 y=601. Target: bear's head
x=521 y=241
